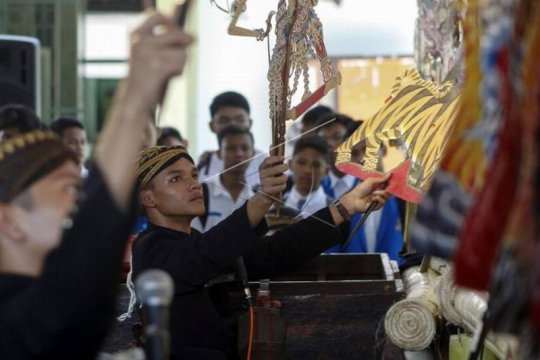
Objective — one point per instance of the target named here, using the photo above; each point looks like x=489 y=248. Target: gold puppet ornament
x=406 y=137
x=238 y=7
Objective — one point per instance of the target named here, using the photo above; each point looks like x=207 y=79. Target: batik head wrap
x=153 y=160
x=27 y=158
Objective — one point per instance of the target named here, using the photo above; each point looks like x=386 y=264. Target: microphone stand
x=157 y=344
x=155 y=289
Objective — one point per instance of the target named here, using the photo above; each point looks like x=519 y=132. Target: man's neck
x=233 y=182
x=177 y=223
x=20 y=261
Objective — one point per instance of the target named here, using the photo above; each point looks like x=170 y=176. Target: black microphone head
x=154 y=288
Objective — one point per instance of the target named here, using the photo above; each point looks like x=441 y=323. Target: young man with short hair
x=303 y=127
x=309 y=165
x=229 y=108
x=228 y=190
x=382 y=231
x=172 y=196
x=333 y=129
x=73 y=135
x=312 y=116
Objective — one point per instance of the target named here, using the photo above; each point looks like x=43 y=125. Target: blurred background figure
x=309 y=165
x=73 y=135
x=171 y=137
x=312 y=116
x=229 y=108
x=333 y=128
x=307 y=123
x=229 y=190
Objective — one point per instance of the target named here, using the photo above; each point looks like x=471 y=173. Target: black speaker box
x=19 y=71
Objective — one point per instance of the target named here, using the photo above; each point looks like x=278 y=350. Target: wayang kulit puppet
x=407 y=137
x=299 y=39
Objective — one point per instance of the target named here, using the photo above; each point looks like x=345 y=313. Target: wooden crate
x=335 y=305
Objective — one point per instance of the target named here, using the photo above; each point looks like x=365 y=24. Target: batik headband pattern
x=153 y=160
x=28 y=157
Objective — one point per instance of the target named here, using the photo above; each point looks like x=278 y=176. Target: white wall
x=369 y=27
x=355 y=28
x=220 y=62
x=106 y=38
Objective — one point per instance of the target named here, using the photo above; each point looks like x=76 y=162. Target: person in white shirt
x=309 y=165
x=304 y=126
x=229 y=108
x=382 y=230
x=333 y=129
x=73 y=135
x=227 y=191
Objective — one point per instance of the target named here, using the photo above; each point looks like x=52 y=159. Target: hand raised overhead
x=158 y=52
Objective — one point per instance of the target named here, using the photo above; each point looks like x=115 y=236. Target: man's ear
x=220 y=147
x=250 y=123
x=212 y=127
x=9 y=228
x=147 y=198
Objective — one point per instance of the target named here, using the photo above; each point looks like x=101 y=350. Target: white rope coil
x=471 y=307
x=410 y=324
x=446 y=290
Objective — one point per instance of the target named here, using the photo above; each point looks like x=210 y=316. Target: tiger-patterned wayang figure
x=414 y=125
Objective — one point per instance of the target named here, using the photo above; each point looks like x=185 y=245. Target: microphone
x=155 y=290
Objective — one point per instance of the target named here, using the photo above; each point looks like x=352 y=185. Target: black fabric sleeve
x=67 y=312
x=293 y=245
x=202 y=257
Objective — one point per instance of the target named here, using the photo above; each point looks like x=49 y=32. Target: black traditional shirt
x=65 y=314
x=194 y=259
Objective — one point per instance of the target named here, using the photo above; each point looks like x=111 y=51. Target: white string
x=132 y=295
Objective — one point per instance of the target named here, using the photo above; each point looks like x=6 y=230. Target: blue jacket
x=326 y=184
x=389 y=237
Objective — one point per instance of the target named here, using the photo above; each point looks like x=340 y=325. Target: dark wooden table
x=334 y=307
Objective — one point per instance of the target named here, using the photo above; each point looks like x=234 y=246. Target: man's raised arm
x=273 y=181
x=158 y=52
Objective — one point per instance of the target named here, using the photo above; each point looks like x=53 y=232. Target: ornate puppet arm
x=239 y=6
x=317 y=95
x=331 y=77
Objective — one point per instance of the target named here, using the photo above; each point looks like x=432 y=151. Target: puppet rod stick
x=410 y=212
x=480 y=335
x=180 y=17
x=359 y=225
x=426 y=263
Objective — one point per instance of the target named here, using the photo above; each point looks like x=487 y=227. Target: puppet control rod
x=359 y=225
